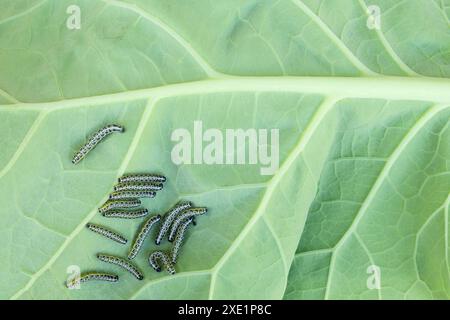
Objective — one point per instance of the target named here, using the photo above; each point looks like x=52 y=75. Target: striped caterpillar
x=131 y=268
x=138 y=187
x=124 y=203
x=94 y=140
x=169 y=217
x=142 y=235
x=179 y=239
x=106 y=233
x=190 y=212
x=124 y=214
x=159 y=255
x=119 y=195
x=92 y=276
x=142 y=178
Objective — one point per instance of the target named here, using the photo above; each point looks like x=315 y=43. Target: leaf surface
x=364 y=158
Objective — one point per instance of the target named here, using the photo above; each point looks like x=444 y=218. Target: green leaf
x=364 y=157
x=382 y=200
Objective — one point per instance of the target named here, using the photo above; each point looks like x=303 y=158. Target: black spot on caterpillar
x=169 y=216
x=159 y=255
x=143 y=232
x=130 y=267
x=107 y=233
x=142 y=178
x=138 y=187
x=119 y=195
x=124 y=203
x=179 y=239
x=126 y=214
x=190 y=212
x=94 y=140
x=92 y=276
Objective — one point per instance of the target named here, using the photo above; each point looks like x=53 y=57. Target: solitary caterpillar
x=179 y=239
x=125 y=214
x=94 y=140
x=124 y=203
x=142 y=178
x=159 y=255
x=191 y=212
x=142 y=235
x=107 y=233
x=118 y=195
x=169 y=217
x=131 y=268
x=92 y=276
x=138 y=187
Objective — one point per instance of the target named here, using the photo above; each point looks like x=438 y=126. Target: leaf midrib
x=389 y=88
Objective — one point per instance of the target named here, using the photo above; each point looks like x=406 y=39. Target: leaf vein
x=412 y=133
x=149 y=108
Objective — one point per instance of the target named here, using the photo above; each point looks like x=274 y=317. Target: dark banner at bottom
x=221 y=309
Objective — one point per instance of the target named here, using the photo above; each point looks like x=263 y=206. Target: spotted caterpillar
x=142 y=235
x=190 y=212
x=159 y=255
x=179 y=239
x=106 y=232
x=94 y=140
x=125 y=214
x=142 y=178
x=131 y=268
x=138 y=187
x=169 y=217
x=124 y=203
x=92 y=276
x=119 y=195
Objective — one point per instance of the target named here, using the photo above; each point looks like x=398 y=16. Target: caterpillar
x=159 y=255
x=124 y=214
x=94 y=140
x=190 y=212
x=142 y=178
x=130 y=267
x=119 y=195
x=106 y=232
x=142 y=235
x=92 y=276
x=169 y=216
x=179 y=239
x=123 y=203
x=138 y=187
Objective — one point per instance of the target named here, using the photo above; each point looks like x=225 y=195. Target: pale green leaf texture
x=363 y=117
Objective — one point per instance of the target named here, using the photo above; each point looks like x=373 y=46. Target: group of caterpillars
x=174 y=224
